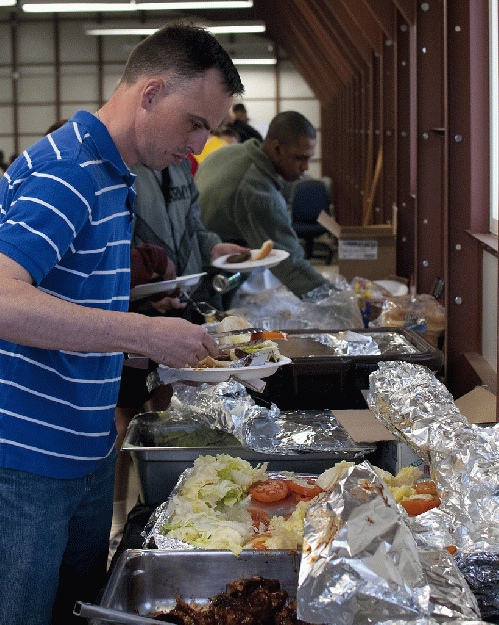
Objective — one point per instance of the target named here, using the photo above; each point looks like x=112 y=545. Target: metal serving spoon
x=113 y=616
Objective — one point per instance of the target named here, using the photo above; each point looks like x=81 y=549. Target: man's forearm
x=32 y=317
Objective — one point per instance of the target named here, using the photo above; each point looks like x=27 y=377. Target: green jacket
x=241 y=200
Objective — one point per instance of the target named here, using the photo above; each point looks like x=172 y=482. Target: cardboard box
x=392 y=454
x=478 y=406
x=364 y=251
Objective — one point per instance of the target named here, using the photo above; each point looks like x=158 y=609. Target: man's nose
x=198 y=141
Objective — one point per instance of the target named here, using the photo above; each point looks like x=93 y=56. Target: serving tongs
x=114 y=616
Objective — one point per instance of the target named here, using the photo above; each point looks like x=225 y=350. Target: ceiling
x=239 y=45
x=328 y=41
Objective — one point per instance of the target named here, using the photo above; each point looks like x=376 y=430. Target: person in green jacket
x=241 y=199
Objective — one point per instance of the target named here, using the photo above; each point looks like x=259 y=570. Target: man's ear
x=154 y=88
x=274 y=149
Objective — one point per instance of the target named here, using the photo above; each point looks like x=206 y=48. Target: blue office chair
x=310 y=197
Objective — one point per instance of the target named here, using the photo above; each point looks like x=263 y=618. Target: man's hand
x=171 y=271
x=167 y=303
x=221 y=249
x=174 y=342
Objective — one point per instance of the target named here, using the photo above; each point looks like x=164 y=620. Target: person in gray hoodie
x=241 y=199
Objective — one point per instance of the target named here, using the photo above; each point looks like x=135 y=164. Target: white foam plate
x=216 y=375
x=272 y=260
x=151 y=288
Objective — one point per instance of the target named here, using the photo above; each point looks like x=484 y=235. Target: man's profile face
x=179 y=120
x=293 y=159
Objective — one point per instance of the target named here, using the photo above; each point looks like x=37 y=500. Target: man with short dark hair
x=65 y=229
x=240 y=194
x=241 y=125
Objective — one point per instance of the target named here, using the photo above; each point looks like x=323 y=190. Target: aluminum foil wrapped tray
x=419 y=409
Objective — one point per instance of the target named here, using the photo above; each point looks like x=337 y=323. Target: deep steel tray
x=159 y=468
x=146 y=580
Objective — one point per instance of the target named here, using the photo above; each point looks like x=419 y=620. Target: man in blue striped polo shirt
x=66 y=211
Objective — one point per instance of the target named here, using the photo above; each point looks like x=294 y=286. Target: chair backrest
x=310 y=197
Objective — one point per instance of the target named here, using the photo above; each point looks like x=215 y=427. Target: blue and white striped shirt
x=66 y=211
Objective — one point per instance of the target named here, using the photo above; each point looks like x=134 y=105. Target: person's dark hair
x=55 y=126
x=238 y=107
x=186 y=50
x=226 y=131
x=287 y=127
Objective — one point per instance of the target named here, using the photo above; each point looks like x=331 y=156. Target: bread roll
x=231 y=324
x=265 y=250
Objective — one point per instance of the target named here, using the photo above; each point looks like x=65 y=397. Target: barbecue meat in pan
x=253 y=601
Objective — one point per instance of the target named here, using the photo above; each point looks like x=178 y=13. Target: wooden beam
x=366 y=22
x=349 y=28
x=384 y=13
x=408 y=10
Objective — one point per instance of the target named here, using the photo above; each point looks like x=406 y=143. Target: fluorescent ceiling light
x=119 y=31
x=97 y=29
x=7 y=3
x=228 y=28
x=178 y=6
x=59 y=7
x=78 y=7
x=254 y=61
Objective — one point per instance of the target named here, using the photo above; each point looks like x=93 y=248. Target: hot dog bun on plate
x=264 y=251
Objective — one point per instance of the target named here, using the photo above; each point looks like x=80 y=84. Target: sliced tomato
x=268 y=335
x=271 y=490
x=416 y=506
x=259 y=517
x=426 y=488
x=305 y=491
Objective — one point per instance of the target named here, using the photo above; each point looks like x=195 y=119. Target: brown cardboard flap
x=363 y=426
x=355 y=232
x=478 y=406
x=328 y=222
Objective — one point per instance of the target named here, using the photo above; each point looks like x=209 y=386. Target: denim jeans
x=54 y=541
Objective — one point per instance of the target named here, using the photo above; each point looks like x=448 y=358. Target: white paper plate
x=151 y=288
x=274 y=258
x=216 y=375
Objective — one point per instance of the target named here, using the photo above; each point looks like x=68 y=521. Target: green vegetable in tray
x=202 y=437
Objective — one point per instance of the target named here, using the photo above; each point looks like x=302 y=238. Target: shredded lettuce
x=205 y=513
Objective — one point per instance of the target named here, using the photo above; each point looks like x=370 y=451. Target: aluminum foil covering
x=362 y=344
x=361 y=562
x=431 y=621
x=299 y=431
x=229 y=407
x=417 y=408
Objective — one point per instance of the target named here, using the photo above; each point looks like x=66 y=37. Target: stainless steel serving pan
x=159 y=468
x=146 y=580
